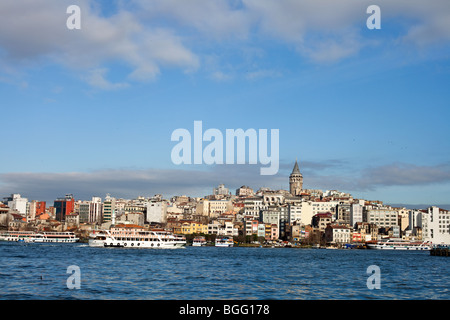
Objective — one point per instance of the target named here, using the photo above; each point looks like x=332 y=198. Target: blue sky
x=91 y=111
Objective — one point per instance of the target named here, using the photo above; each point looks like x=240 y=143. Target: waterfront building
x=83 y=211
x=136 y=218
x=436 y=225
x=16 y=203
x=96 y=211
x=271 y=232
x=306 y=212
x=323 y=206
x=64 y=206
x=72 y=220
x=253 y=206
x=295 y=181
x=226 y=228
x=31 y=212
x=368 y=231
x=321 y=220
x=403 y=218
x=217 y=207
x=338 y=234
x=35 y=209
x=382 y=217
x=108 y=210
x=202 y=207
x=191 y=227
x=278 y=215
x=356 y=212
x=213 y=227
x=415 y=222
x=295 y=213
x=298 y=232
x=251 y=227
x=343 y=212
x=156 y=212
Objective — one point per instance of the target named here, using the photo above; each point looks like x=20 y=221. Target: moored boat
x=199 y=241
x=399 y=244
x=224 y=242
x=136 y=238
x=39 y=237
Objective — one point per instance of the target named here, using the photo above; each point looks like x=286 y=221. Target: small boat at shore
x=224 y=242
x=199 y=241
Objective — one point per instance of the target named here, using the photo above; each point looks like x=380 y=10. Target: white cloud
x=96 y=78
x=218 y=19
x=149 y=35
x=35 y=31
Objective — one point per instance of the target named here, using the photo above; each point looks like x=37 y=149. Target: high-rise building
x=295 y=181
x=83 y=211
x=109 y=207
x=95 y=210
x=35 y=208
x=16 y=202
x=64 y=206
x=436 y=225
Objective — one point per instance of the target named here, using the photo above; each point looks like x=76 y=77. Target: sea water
x=41 y=271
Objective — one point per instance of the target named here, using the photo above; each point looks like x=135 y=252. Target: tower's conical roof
x=296 y=170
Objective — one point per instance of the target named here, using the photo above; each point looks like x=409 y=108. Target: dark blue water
x=39 y=271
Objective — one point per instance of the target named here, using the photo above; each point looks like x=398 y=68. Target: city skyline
x=91 y=111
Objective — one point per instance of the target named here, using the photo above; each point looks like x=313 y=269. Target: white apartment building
x=338 y=234
x=96 y=210
x=436 y=225
x=324 y=206
x=16 y=202
x=253 y=206
x=226 y=229
x=415 y=220
x=356 y=213
x=303 y=212
x=217 y=207
x=383 y=218
x=156 y=212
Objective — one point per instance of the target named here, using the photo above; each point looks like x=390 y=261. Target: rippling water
x=39 y=271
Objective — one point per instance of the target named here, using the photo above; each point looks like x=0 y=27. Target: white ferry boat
x=199 y=242
x=224 y=242
x=399 y=244
x=39 y=237
x=135 y=238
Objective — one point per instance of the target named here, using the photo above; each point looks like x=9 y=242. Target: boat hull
x=136 y=244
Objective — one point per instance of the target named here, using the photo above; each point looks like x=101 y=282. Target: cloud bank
x=130 y=183
x=149 y=35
